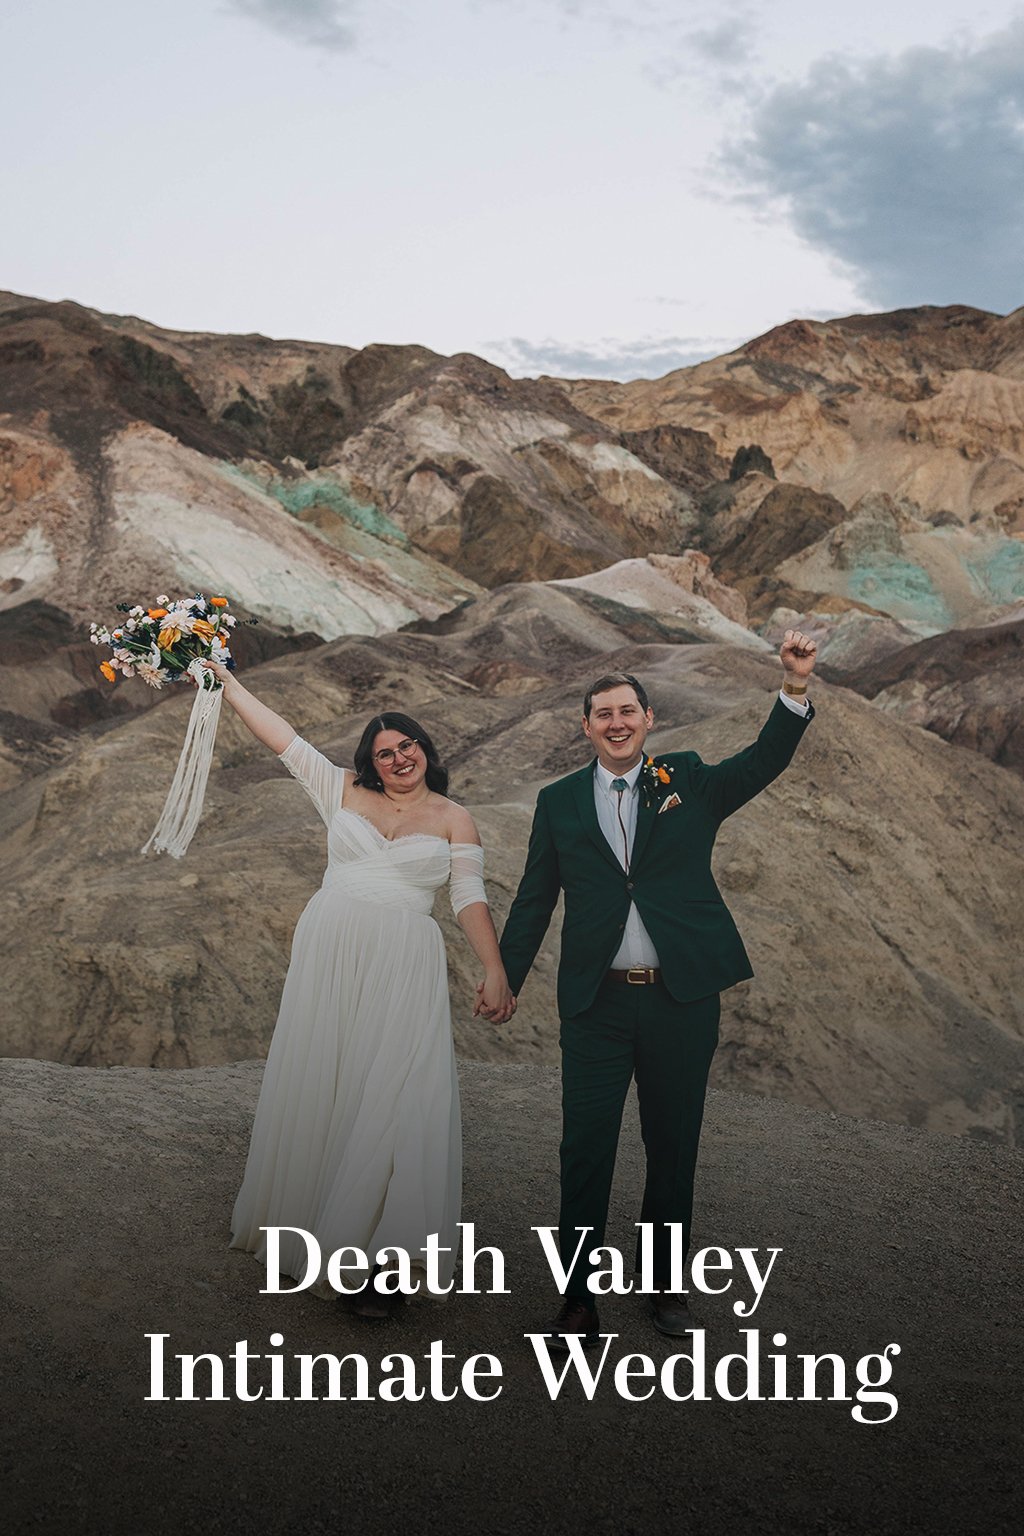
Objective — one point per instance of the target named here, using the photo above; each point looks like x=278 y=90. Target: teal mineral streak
x=299 y=496
x=900 y=588
x=999 y=573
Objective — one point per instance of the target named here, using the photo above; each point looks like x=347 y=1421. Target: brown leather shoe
x=670 y=1314
x=574 y=1317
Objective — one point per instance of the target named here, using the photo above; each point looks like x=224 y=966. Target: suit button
x=629 y=885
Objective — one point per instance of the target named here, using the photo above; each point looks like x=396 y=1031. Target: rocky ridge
x=192 y=452
x=924 y=404
x=354 y=491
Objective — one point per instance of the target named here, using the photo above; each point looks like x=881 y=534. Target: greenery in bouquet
x=160 y=644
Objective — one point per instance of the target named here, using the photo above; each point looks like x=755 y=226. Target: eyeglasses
x=387 y=754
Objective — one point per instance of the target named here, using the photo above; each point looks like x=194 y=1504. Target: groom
x=647 y=946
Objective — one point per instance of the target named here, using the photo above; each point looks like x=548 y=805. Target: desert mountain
x=922 y=404
x=897 y=444
x=117 y=481
x=343 y=491
x=872 y=466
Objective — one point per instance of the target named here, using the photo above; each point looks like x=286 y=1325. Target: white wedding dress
x=357 y=1135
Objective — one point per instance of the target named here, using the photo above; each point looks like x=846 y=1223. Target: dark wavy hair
x=366 y=769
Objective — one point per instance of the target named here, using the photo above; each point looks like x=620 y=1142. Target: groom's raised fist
x=798 y=653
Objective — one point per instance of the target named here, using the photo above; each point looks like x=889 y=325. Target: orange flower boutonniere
x=655 y=779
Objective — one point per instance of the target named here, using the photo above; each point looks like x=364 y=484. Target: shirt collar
x=604 y=778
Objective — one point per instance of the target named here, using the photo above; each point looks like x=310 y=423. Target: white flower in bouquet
x=149 y=674
x=181 y=619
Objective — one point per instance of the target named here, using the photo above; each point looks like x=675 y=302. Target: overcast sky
x=578 y=186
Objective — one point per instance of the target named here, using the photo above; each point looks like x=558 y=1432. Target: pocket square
x=670 y=803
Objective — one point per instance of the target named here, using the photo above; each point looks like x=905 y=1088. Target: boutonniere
x=655 y=779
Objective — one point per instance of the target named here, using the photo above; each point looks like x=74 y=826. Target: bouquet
x=165 y=644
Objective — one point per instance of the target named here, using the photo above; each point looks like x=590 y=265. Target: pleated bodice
x=401 y=872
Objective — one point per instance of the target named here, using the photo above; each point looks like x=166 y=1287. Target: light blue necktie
x=620 y=786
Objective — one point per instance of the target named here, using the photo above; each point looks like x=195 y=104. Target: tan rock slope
x=925 y=404
x=966 y=685
x=896 y=516
x=326 y=481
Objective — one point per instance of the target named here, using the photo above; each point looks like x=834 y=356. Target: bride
x=357 y=1136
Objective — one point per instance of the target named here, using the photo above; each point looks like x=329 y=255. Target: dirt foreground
x=115 y=1202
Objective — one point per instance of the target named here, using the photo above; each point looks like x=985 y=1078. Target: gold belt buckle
x=639 y=975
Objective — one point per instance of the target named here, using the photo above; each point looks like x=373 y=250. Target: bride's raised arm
x=265 y=725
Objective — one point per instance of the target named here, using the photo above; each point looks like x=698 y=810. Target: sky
x=586 y=187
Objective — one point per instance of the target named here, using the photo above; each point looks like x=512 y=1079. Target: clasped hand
x=494 y=1000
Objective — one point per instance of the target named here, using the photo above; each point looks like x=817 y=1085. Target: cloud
x=907 y=169
x=648 y=358
x=715 y=58
x=707 y=41
x=318 y=23
x=727 y=42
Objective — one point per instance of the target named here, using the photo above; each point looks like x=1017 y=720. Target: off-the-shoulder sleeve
x=322 y=780
x=467 y=881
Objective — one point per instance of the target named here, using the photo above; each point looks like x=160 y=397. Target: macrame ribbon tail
x=184 y=804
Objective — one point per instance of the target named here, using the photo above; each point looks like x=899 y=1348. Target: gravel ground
x=117 y=1189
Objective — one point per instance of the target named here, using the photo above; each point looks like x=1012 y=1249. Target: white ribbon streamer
x=184 y=804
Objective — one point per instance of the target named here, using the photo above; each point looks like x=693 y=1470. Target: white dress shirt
x=637 y=947
x=798 y=706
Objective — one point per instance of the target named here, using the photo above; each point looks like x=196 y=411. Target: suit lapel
x=583 y=796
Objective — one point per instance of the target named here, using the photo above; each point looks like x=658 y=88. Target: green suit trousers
x=632 y=1032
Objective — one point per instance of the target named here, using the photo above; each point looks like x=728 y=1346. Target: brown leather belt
x=637 y=975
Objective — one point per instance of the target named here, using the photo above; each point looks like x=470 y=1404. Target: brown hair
x=615 y=680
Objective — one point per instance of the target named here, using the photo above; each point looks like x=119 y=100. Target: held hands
x=798 y=653
x=494 y=1000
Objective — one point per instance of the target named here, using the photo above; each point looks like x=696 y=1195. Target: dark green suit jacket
x=670 y=877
